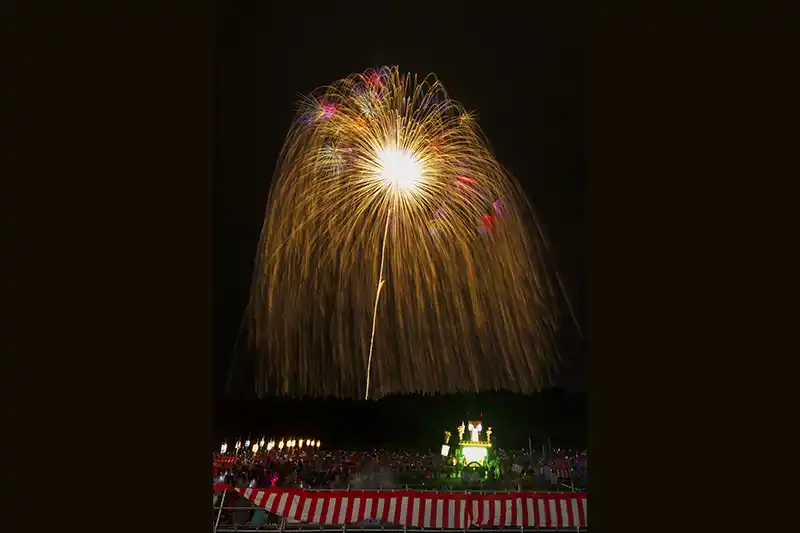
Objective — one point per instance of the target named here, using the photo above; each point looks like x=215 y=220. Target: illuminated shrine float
x=474 y=450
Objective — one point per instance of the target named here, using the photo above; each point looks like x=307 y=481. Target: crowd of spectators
x=379 y=469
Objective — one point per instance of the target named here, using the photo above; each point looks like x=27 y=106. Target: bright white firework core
x=400 y=168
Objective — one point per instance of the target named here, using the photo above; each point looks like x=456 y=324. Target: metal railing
x=563 y=485
x=230 y=528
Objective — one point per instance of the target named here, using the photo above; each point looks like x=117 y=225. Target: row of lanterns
x=288 y=444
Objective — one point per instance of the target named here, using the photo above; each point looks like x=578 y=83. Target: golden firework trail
x=397 y=254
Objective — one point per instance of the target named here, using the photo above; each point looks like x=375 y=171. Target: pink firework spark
x=327 y=110
x=499 y=208
x=373 y=80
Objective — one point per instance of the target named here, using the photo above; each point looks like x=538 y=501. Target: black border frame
x=113 y=123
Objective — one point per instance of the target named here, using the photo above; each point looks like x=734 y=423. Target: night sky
x=520 y=70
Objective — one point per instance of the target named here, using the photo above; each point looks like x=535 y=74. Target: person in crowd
x=382 y=469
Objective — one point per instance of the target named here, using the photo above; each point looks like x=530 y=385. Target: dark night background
x=520 y=69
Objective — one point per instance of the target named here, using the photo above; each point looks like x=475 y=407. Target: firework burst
x=395 y=250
